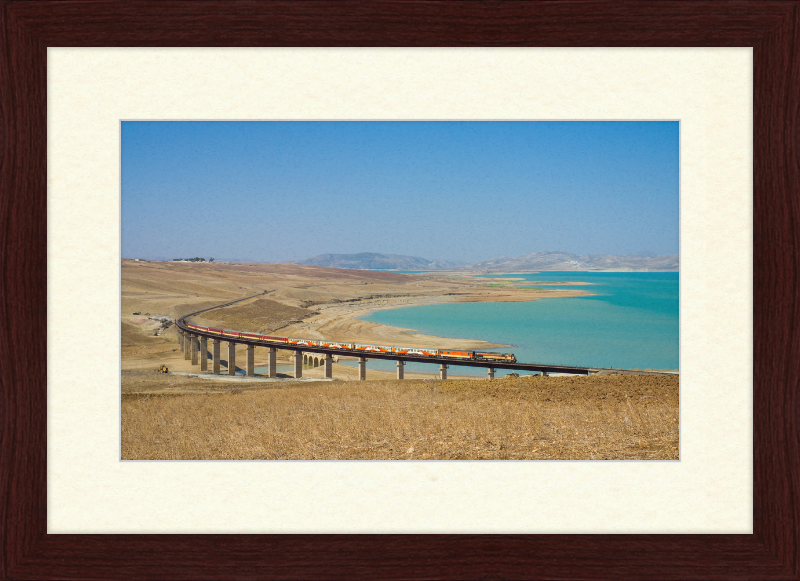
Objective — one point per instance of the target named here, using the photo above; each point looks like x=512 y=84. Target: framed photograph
x=322 y=311
x=61 y=473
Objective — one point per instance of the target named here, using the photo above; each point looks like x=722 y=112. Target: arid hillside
x=259 y=315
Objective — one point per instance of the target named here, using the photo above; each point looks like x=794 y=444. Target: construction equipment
x=512 y=376
x=162 y=369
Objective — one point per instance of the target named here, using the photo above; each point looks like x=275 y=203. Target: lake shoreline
x=340 y=323
x=632 y=323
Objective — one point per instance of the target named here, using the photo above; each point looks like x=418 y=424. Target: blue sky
x=467 y=190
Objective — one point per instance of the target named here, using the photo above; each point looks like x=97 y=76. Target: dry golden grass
x=260 y=315
x=600 y=417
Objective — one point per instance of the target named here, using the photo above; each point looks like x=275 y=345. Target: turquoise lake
x=631 y=321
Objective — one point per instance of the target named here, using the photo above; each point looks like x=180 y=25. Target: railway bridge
x=194 y=343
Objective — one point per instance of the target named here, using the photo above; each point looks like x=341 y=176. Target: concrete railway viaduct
x=194 y=344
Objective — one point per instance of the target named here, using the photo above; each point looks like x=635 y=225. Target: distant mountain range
x=526 y=262
x=373 y=261
x=567 y=261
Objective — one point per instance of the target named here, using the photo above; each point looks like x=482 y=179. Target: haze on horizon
x=465 y=191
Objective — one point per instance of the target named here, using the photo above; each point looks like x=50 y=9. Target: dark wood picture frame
x=29 y=27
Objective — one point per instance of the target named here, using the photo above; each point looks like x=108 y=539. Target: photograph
x=400 y=290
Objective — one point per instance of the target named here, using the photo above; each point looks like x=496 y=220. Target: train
x=358 y=348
